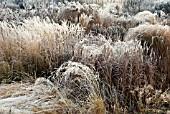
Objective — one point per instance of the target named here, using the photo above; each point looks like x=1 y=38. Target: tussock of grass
x=145 y=16
x=155 y=40
x=76 y=81
x=35 y=47
x=156 y=37
x=121 y=66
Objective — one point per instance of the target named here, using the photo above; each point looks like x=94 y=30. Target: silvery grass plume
x=118 y=63
x=22 y=45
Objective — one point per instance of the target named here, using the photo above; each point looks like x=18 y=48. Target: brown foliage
x=156 y=42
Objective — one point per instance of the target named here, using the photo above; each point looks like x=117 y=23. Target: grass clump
x=155 y=41
x=32 y=49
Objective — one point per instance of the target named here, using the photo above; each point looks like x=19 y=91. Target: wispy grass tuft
x=36 y=47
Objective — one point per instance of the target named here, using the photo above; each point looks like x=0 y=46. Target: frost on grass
x=145 y=16
x=108 y=13
x=101 y=1
x=90 y=73
x=91 y=48
x=34 y=40
x=75 y=80
x=148 y=31
x=157 y=36
x=155 y=40
x=43 y=86
x=73 y=89
x=150 y=97
x=115 y=61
